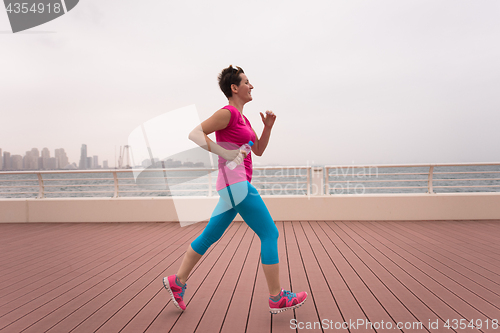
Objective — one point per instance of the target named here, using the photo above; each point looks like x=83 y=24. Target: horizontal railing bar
x=144 y=170
x=85 y=185
x=380 y=187
x=406 y=180
x=18 y=180
x=161 y=184
x=378 y=180
x=168 y=177
x=287 y=189
x=19 y=186
x=386 y=174
x=276 y=176
x=290 y=182
x=101 y=171
x=18 y=192
x=79 y=192
x=442 y=186
x=192 y=190
x=454 y=180
x=412 y=165
x=475 y=172
x=85 y=179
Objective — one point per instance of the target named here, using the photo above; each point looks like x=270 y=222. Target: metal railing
x=152 y=182
x=424 y=176
x=275 y=180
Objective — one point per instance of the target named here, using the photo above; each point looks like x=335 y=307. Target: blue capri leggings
x=244 y=199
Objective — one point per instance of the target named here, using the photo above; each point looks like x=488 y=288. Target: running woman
x=232 y=130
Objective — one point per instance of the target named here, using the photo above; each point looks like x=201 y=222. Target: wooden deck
x=108 y=277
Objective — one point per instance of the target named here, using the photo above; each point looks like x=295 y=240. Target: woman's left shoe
x=176 y=291
x=288 y=300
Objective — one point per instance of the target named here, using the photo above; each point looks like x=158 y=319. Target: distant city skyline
x=42 y=160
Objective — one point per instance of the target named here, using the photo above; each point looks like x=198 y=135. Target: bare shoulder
x=218 y=121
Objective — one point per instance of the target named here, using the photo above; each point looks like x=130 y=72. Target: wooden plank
x=54 y=279
x=483 y=244
x=159 y=298
x=433 y=280
x=215 y=313
x=395 y=280
x=327 y=310
x=191 y=321
x=320 y=270
x=467 y=272
x=170 y=315
x=237 y=313
x=298 y=279
x=71 y=285
x=259 y=317
x=43 y=267
x=424 y=270
x=281 y=321
x=113 y=287
x=370 y=306
x=345 y=298
x=404 y=272
x=30 y=251
x=110 y=305
x=471 y=292
x=388 y=306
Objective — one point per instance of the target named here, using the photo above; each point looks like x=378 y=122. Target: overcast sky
x=351 y=82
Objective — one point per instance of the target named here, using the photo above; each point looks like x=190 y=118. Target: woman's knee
x=275 y=232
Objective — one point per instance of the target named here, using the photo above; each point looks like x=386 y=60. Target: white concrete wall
x=457 y=206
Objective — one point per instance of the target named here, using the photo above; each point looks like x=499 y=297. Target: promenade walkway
x=107 y=277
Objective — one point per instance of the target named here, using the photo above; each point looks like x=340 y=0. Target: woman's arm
x=261 y=144
x=218 y=121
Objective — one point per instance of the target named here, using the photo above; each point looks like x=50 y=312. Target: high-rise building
x=6 y=161
x=95 y=162
x=27 y=160
x=105 y=164
x=1 y=159
x=45 y=158
x=89 y=163
x=52 y=163
x=16 y=162
x=62 y=158
x=35 y=155
x=83 y=158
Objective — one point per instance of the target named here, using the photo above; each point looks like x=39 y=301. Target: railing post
x=431 y=171
x=41 y=190
x=327 y=181
x=308 y=181
x=115 y=178
x=210 y=183
x=317 y=180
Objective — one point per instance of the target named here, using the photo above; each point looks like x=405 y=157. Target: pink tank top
x=238 y=132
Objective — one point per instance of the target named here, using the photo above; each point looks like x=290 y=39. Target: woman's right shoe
x=288 y=300
x=176 y=291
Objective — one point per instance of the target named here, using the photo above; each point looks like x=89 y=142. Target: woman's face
x=244 y=90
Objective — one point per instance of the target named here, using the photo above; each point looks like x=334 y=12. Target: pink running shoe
x=176 y=291
x=287 y=301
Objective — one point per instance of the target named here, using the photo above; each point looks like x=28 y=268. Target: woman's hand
x=269 y=119
x=234 y=155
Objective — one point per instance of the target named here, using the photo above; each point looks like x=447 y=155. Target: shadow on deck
x=107 y=277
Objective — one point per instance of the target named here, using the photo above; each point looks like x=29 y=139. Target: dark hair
x=229 y=76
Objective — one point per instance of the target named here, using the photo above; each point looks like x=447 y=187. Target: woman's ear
x=234 y=88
